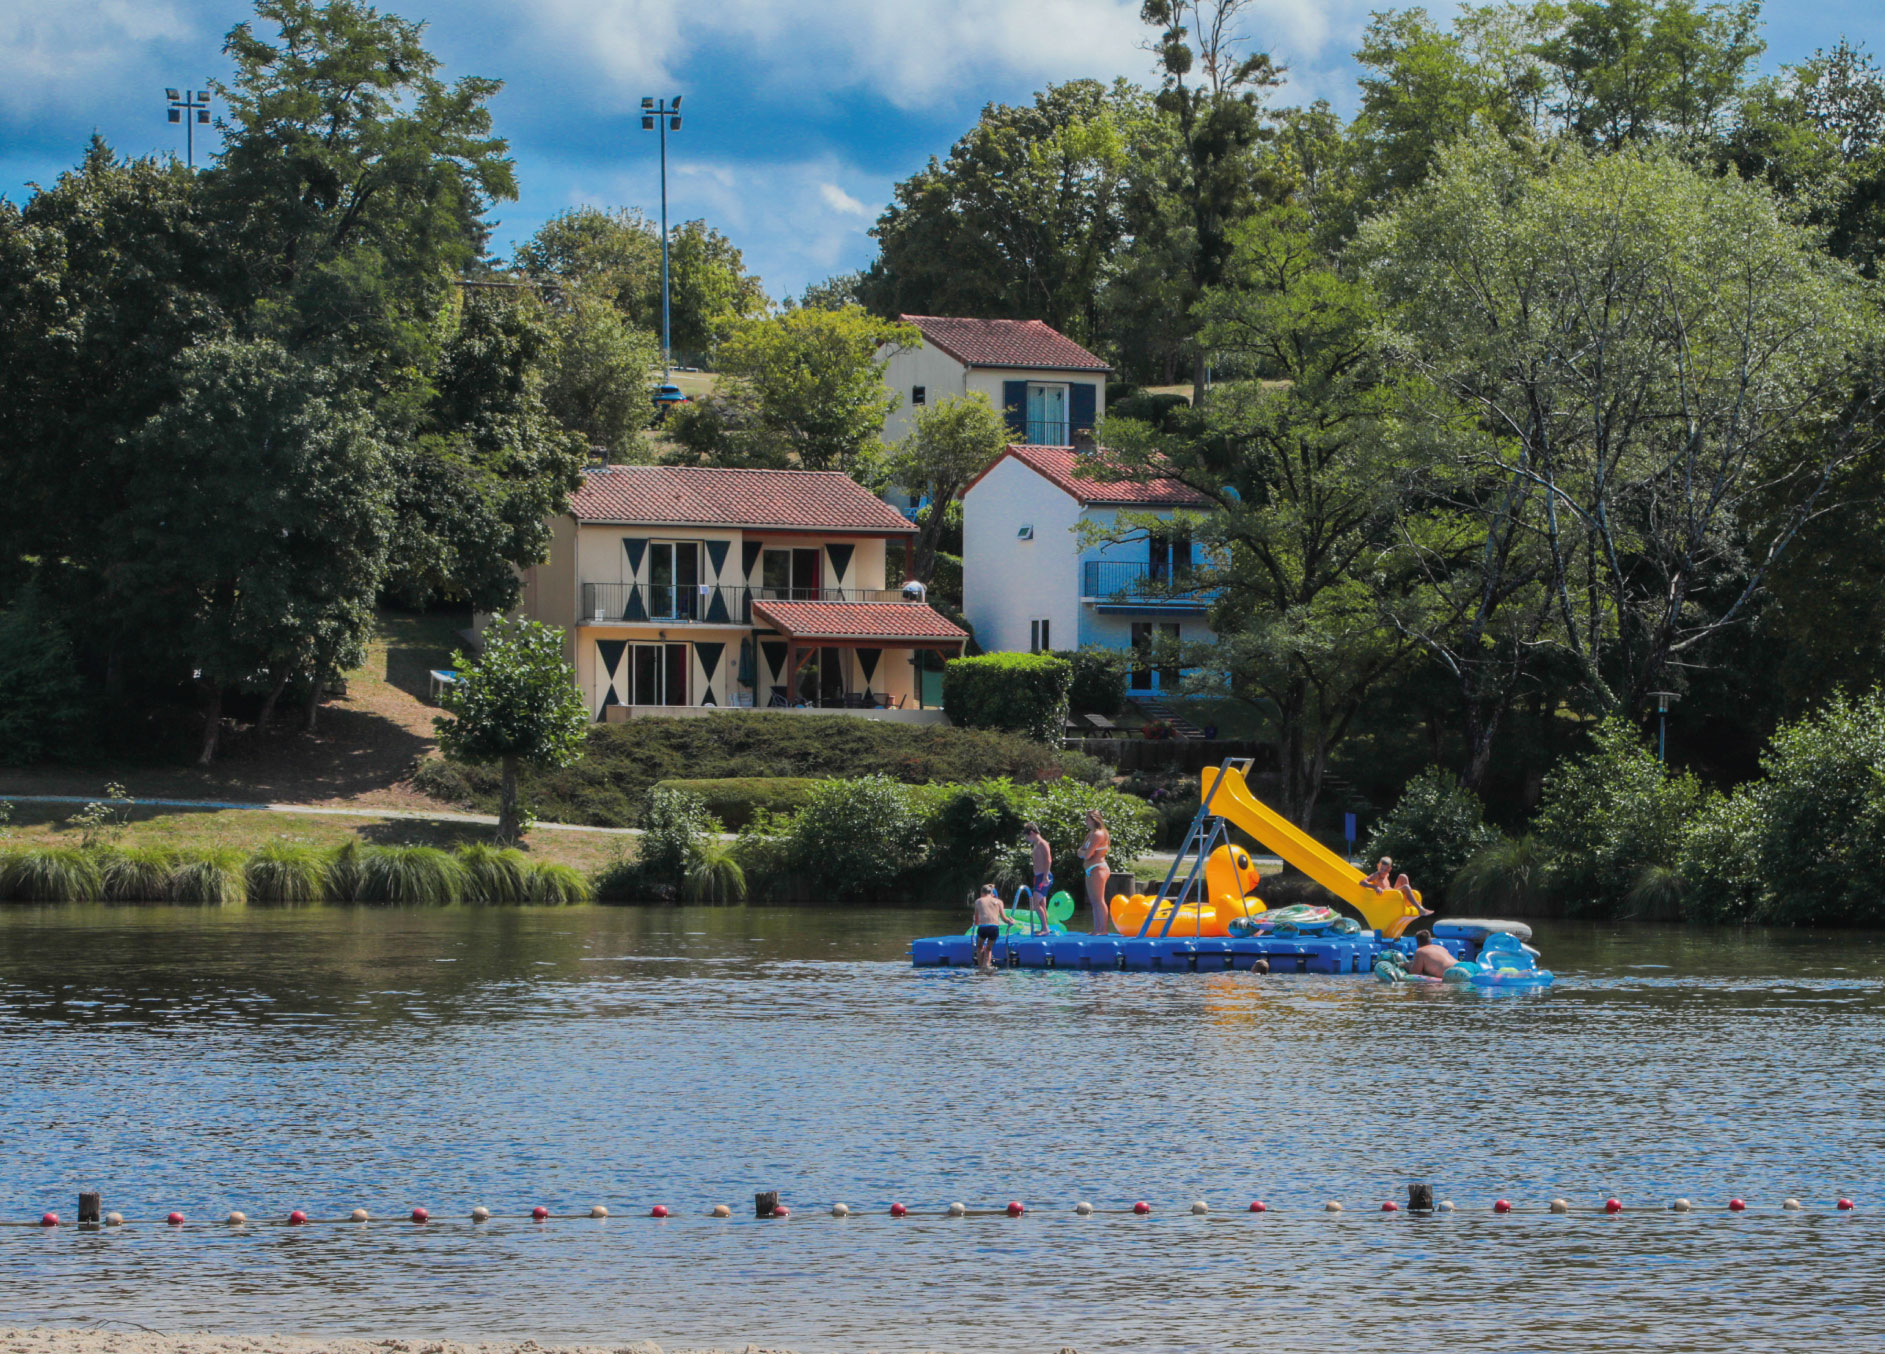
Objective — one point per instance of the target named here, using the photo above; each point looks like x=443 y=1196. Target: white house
x=1029 y=583
x=1051 y=388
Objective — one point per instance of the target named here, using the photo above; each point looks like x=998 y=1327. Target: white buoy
x=114 y=1219
x=1560 y=1206
x=722 y=1211
x=1681 y=1206
x=958 y=1210
x=237 y=1219
x=840 y=1210
x=360 y=1215
x=1331 y=1207
x=1083 y=1208
x=1200 y=1208
x=1445 y=1206
x=1792 y=1205
x=599 y=1211
x=480 y=1214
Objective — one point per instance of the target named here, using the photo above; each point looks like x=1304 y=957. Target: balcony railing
x=704 y=604
x=1047 y=432
x=1122 y=582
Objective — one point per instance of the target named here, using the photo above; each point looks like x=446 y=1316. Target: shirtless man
x=1379 y=882
x=1430 y=960
x=990 y=917
x=1042 y=884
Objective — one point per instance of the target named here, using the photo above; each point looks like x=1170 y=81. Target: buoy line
x=539 y=1215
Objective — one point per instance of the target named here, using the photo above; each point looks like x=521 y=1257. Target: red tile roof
x=792 y=500
x=857 y=620
x=1056 y=464
x=1005 y=343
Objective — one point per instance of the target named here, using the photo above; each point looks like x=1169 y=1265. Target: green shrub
x=620 y=881
x=855 y=838
x=714 y=874
x=1433 y=830
x=1097 y=684
x=1720 y=861
x=282 y=872
x=57 y=874
x=1606 y=817
x=609 y=787
x=495 y=874
x=1147 y=406
x=1018 y=692
x=548 y=882
x=214 y=875
x=975 y=829
x=139 y=875
x=1087 y=770
x=1060 y=808
x=672 y=827
x=346 y=869
x=733 y=800
x=1507 y=876
x=42 y=701
x=409 y=874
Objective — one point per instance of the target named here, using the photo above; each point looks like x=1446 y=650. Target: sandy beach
x=115 y=1340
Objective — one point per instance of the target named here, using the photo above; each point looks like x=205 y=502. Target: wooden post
x=765 y=1203
x=89 y=1205
x=1420 y=1198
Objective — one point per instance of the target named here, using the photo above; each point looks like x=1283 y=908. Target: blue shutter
x=1082 y=400
x=1014 y=403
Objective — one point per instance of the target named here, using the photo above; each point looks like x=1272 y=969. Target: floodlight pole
x=658 y=115
x=189 y=106
x=1662 y=723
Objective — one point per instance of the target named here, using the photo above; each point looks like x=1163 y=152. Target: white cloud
x=64 y=55
x=840 y=201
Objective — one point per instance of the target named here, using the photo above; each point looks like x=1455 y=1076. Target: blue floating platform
x=1350 y=954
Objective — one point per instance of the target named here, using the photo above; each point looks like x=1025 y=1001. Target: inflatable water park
x=1208 y=916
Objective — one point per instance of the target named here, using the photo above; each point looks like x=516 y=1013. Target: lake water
x=331 y=1058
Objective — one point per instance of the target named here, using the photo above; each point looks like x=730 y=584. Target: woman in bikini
x=1093 y=854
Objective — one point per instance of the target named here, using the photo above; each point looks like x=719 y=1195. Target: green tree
x=805 y=388
x=599 y=373
x=516 y=704
x=834 y=293
x=1020 y=222
x=949 y=443
x=42 y=700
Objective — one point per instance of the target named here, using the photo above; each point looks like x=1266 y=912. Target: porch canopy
x=811 y=626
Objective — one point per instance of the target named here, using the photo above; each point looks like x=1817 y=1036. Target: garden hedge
x=1017 y=692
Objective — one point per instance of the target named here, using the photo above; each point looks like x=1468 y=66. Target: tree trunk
x=1200 y=376
x=507 y=804
x=212 y=726
x=314 y=695
x=274 y=695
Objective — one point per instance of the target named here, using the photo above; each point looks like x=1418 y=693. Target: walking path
x=355 y=811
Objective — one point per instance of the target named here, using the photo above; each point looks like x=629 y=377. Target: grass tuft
x=714 y=874
x=58 y=874
x=139 y=875
x=345 y=867
x=552 y=883
x=282 y=872
x=495 y=875
x=410 y=874
x=214 y=875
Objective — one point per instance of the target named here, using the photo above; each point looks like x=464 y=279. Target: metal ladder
x=1206 y=833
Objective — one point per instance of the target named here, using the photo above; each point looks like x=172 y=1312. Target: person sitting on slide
x=1430 y=960
x=1379 y=881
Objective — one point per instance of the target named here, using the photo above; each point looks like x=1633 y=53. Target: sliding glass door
x=674 y=580
x=658 y=674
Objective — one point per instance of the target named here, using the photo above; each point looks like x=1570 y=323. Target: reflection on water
x=329 y=1058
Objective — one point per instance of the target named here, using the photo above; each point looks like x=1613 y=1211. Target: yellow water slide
x=1232 y=801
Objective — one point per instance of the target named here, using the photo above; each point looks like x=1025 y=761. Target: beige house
x=1051 y=389
x=688 y=589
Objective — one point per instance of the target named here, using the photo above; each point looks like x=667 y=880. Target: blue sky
x=800 y=116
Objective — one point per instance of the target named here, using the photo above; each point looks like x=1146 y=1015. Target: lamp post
x=664 y=116
x=190 y=107
x=1662 y=723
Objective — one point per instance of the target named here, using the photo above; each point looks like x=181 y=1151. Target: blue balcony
x=1119 y=584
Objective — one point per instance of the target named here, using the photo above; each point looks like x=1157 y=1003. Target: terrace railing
x=705 y=603
x=1138 y=583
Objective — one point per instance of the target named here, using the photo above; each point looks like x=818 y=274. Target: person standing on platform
x=1093 y=855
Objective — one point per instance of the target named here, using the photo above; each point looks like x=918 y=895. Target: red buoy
x=781 y=1212
x=48 y=1219
x=1142 y=1207
x=658 y=1211
x=1258 y=1206
x=296 y=1218
x=1735 y=1206
x=420 y=1215
x=1501 y=1205
x=1015 y=1208
x=539 y=1213
x=1390 y=1207
x=898 y=1210
x=175 y=1219
x=1613 y=1205
x=1844 y=1204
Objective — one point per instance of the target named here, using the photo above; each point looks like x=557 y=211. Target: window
x=657 y=674
x=1171 y=556
x=674 y=581
x=1039 y=640
x=1047 y=415
x=918 y=395
x=789 y=575
x=1146 y=638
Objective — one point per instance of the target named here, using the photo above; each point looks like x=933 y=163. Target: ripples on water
x=332 y=1058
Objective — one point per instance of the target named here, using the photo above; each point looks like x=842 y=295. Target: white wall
x=940 y=375
x=1006 y=581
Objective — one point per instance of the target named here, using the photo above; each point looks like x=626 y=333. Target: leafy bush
x=1608 y=816
x=609 y=787
x=548 y=882
x=59 y=874
x=1507 y=876
x=1060 y=808
x=140 y=875
x=1019 y=692
x=1087 y=770
x=42 y=705
x=1148 y=407
x=214 y=875
x=735 y=799
x=1433 y=830
x=1098 y=681
x=1720 y=861
x=409 y=874
x=855 y=838
x=672 y=828
x=282 y=872
x=495 y=874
